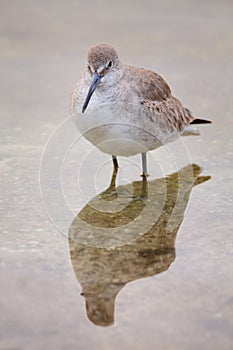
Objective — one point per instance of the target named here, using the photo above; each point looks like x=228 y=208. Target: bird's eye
x=109 y=64
x=89 y=68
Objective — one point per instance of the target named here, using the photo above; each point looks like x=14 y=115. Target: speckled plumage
x=130 y=110
x=99 y=54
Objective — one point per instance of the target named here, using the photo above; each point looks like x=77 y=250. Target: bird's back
x=149 y=84
x=156 y=99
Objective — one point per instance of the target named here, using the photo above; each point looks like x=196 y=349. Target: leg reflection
x=111 y=193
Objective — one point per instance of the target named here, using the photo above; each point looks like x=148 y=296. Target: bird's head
x=103 y=61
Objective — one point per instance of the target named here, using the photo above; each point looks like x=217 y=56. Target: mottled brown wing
x=169 y=113
x=150 y=85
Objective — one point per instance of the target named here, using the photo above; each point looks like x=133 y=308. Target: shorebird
x=128 y=110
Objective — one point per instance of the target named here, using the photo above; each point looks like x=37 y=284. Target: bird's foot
x=141 y=198
x=145 y=175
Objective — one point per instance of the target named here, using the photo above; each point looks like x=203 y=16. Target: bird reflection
x=116 y=239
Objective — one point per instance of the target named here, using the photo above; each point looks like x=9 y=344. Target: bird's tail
x=201 y=121
x=196 y=120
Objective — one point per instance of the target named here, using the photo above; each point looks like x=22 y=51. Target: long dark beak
x=95 y=82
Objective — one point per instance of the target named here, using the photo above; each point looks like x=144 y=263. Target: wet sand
x=175 y=287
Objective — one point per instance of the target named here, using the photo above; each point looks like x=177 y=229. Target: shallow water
x=84 y=266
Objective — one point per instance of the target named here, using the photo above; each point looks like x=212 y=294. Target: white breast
x=117 y=128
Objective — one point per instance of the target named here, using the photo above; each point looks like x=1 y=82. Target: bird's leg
x=111 y=192
x=144 y=177
x=114 y=174
x=115 y=163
